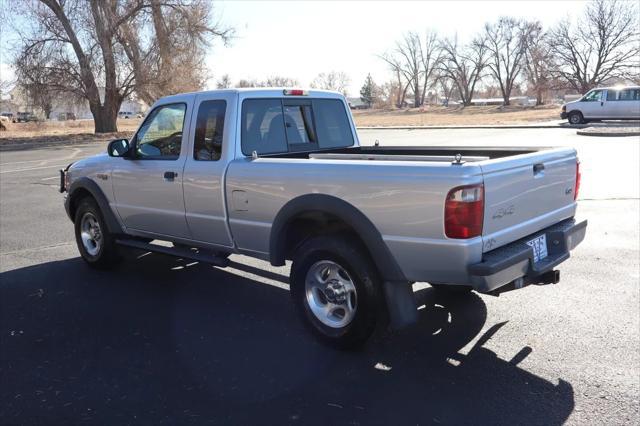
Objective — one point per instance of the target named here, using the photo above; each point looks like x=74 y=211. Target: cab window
x=334 y=130
x=271 y=126
x=593 y=96
x=160 y=137
x=207 y=145
x=263 y=127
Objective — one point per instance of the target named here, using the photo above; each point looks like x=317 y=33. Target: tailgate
x=526 y=193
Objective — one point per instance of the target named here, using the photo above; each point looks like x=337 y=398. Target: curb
x=16 y=146
x=610 y=134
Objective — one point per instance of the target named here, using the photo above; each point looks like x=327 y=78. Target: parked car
x=25 y=117
x=125 y=114
x=64 y=116
x=8 y=115
x=606 y=103
x=280 y=175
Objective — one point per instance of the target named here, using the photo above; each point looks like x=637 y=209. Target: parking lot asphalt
x=163 y=341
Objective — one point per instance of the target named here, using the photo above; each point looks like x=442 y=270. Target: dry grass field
x=457 y=116
x=82 y=130
x=72 y=131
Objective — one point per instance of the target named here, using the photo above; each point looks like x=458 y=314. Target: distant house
x=356 y=103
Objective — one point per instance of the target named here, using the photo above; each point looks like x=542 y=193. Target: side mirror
x=118 y=148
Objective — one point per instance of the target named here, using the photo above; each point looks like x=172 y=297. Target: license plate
x=539 y=245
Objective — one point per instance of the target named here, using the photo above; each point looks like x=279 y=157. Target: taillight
x=464 y=212
x=578 y=176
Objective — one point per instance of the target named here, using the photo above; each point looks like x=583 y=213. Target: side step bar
x=185 y=253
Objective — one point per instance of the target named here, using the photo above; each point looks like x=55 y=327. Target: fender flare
x=84 y=183
x=366 y=230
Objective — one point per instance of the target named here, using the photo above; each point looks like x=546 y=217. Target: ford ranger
x=279 y=174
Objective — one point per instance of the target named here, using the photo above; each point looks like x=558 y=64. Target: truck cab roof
x=262 y=92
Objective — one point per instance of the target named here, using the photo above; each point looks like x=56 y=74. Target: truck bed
x=412 y=153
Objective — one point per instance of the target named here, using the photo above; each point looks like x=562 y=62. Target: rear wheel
x=575 y=117
x=336 y=290
x=95 y=243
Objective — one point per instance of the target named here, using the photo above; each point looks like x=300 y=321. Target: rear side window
x=629 y=95
x=332 y=123
x=207 y=145
x=263 y=127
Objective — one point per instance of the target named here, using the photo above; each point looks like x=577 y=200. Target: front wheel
x=95 y=243
x=336 y=290
x=575 y=117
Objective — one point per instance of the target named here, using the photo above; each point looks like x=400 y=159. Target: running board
x=176 y=252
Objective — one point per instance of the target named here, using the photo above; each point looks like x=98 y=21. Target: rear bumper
x=514 y=261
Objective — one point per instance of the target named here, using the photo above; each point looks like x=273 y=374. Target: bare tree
x=537 y=60
x=99 y=57
x=401 y=84
x=224 y=82
x=505 y=46
x=173 y=60
x=464 y=65
x=38 y=81
x=280 y=81
x=604 y=45
x=446 y=86
x=430 y=58
x=334 y=80
x=414 y=61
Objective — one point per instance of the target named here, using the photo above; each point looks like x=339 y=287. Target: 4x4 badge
x=504 y=212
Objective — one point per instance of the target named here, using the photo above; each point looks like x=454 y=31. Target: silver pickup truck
x=279 y=174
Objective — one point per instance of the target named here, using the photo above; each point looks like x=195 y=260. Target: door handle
x=538 y=168
x=601 y=103
x=170 y=176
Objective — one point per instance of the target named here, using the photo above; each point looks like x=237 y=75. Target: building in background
x=65 y=106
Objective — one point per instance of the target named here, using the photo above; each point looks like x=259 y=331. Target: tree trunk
x=539 y=98
x=105 y=118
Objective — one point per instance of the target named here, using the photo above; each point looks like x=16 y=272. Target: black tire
x=106 y=255
x=361 y=272
x=575 y=117
x=452 y=290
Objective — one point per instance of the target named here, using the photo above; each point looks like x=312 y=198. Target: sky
x=303 y=38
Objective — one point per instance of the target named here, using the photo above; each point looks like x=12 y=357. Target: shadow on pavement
x=160 y=342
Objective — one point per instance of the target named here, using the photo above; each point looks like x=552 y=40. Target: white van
x=607 y=103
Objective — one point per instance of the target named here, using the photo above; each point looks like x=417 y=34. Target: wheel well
x=315 y=223
x=77 y=196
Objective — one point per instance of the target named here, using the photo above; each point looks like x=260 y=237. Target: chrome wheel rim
x=90 y=234
x=331 y=294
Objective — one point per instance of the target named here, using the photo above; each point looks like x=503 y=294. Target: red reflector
x=294 y=92
x=578 y=177
x=464 y=212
